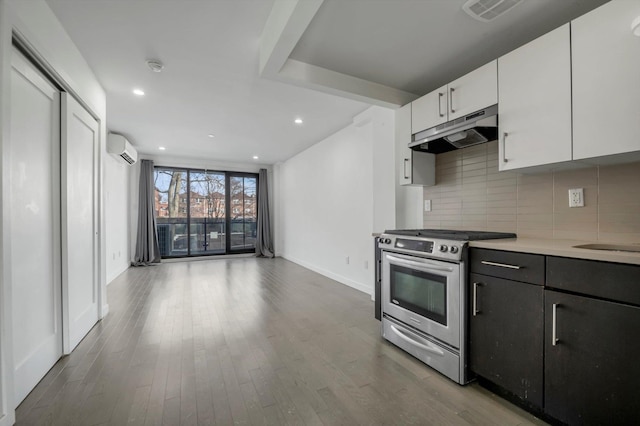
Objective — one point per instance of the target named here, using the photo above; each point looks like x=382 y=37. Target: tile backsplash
x=470 y=193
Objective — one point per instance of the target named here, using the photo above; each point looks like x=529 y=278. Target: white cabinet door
x=534 y=108
x=80 y=137
x=473 y=91
x=606 y=81
x=34 y=150
x=469 y=93
x=413 y=167
x=403 y=137
x=429 y=110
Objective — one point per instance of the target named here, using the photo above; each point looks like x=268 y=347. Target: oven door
x=423 y=293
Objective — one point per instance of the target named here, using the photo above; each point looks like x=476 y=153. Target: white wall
x=37 y=24
x=116 y=200
x=331 y=197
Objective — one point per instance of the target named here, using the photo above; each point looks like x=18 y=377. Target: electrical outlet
x=366 y=264
x=576 y=197
x=346 y=259
x=427 y=205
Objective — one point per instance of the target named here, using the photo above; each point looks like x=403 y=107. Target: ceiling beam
x=325 y=80
x=285 y=26
x=287 y=22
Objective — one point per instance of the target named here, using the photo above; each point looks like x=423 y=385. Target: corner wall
x=334 y=195
x=117 y=205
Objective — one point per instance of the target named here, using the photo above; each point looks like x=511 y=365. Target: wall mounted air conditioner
x=122 y=148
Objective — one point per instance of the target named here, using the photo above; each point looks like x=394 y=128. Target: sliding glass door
x=243 y=212
x=201 y=212
x=207 y=212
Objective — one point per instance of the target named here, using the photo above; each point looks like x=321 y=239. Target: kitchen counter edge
x=562 y=248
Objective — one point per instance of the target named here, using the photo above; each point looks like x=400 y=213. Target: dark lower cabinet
x=592 y=372
x=506 y=335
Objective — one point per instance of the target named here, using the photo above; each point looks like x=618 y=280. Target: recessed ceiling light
x=211 y=135
x=255 y=157
x=298 y=121
x=138 y=92
x=162 y=148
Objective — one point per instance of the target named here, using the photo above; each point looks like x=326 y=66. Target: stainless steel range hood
x=472 y=129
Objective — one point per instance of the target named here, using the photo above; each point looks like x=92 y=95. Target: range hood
x=472 y=129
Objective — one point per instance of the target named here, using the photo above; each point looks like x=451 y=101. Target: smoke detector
x=155 y=65
x=488 y=10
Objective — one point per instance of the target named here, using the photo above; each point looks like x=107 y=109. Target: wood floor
x=247 y=341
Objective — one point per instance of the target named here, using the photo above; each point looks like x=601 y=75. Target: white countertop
x=563 y=248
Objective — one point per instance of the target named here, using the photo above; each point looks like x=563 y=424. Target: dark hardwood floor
x=247 y=341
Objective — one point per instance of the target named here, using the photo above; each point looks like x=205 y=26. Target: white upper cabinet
x=473 y=91
x=606 y=81
x=469 y=93
x=403 y=137
x=413 y=167
x=429 y=110
x=534 y=105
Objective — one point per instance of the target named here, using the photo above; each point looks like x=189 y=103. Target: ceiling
x=243 y=70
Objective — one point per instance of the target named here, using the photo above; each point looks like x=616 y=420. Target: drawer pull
x=554 y=331
x=475 y=299
x=501 y=265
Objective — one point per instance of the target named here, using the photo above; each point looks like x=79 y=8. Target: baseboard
x=336 y=277
x=105 y=311
x=7 y=419
x=119 y=272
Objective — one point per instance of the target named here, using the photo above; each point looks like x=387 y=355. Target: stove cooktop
x=448 y=234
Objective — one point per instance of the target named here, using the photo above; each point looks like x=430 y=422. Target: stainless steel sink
x=611 y=247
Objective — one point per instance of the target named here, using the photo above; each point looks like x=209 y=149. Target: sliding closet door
x=80 y=138
x=35 y=225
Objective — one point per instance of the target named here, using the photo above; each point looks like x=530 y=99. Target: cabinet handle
x=406 y=160
x=504 y=147
x=451 y=90
x=501 y=265
x=554 y=331
x=440 y=113
x=475 y=299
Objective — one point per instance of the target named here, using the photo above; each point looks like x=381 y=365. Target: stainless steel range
x=423 y=294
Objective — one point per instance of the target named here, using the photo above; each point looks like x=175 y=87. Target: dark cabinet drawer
x=522 y=267
x=613 y=281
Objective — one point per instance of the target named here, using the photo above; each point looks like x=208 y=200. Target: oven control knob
x=443 y=248
x=453 y=249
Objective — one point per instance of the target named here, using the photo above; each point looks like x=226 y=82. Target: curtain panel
x=147 y=247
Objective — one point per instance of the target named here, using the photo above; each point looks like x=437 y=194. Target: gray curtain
x=147 y=248
x=264 y=243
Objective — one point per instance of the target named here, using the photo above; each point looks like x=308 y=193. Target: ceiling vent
x=119 y=146
x=488 y=10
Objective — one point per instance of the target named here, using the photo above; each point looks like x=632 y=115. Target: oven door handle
x=424 y=265
x=427 y=347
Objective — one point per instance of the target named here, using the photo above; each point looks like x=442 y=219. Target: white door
x=80 y=138
x=35 y=225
